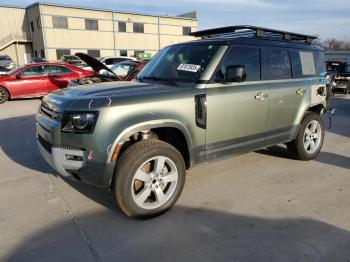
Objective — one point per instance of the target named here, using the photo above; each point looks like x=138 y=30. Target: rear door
x=237 y=113
x=32 y=81
x=286 y=93
x=58 y=77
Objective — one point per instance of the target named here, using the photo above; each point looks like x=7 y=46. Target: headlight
x=80 y=122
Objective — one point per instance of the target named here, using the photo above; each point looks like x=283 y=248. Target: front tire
x=4 y=95
x=150 y=177
x=309 y=140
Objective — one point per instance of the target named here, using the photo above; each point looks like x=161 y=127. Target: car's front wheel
x=150 y=176
x=309 y=141
x=4 y=95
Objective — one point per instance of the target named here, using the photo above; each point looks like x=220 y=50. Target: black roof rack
x=237 y=31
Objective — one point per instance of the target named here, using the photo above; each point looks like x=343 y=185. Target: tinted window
x=57 y=70
x=243 y=56
x=91 y=24
x=123 y=53
x=59 y=22
x=320 y=62
x=94 y=53
x=186 y=30
x=33 y=71
x=138 y=28
x=275 y=64
x=121 y=26
x=303 y=63
x=62 y=52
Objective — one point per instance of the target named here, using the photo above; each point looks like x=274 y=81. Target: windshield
x=123 y=69
x=15 y=70
x=182 y=63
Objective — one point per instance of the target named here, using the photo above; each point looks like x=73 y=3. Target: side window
x=59 y=22
x=33 y=71
x=275 y=64
x=320 y=62
x=303 y=63
x=57 y=70
x=122 y=26
x=244 y=56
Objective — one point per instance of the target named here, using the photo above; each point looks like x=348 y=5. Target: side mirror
x=18 y=76
x=236 y=73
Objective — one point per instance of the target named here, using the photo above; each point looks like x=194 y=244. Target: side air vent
x=201 y=110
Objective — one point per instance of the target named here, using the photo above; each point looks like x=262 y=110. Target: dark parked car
x=38 y=79
x=3 y=70
x=7 y=62
x=339 y=72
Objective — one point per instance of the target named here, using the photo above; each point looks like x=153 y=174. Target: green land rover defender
x=235 y=90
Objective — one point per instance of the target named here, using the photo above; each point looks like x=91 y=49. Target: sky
x=324 y=18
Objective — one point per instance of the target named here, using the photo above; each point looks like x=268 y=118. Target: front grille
x=49 y=112
x=44 y=143
x=48 y=146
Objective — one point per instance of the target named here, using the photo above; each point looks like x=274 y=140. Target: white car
x=111 y=61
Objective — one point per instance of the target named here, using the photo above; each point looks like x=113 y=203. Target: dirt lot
x=262 y=206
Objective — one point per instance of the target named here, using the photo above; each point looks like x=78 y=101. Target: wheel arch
x=7 y=90
x=161 y=128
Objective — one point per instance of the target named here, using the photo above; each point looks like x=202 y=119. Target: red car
x=38 y=79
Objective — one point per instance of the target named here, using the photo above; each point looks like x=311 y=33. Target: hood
x=96 y=65
x=102 y=95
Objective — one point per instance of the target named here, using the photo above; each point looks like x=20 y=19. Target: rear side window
x=320 y=62
x=275 y=64
x=57 y=70
x=244 y=56
x=303 y=63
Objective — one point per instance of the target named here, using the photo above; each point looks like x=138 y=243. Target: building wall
x=13 y=21
x=20 y=53
x=338 y=55
x=159 y=31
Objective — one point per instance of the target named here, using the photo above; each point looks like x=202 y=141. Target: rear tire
x=150 y=177
x=4 y=95
x=308 y=143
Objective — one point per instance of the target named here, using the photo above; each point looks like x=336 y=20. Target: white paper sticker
x=307 y=63
x=189 y=68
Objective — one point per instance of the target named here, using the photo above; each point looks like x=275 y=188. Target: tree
x=333 y=44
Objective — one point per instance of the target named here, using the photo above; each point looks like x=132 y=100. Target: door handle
x=261 y=96
x=300 y=91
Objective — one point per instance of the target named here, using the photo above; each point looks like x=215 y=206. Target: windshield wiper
x=156 y=78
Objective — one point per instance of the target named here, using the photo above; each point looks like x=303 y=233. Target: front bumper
x=60 y=159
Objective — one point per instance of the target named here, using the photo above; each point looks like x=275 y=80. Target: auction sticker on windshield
x=189 y=68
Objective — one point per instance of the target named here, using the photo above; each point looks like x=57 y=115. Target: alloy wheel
x=312 y=137
x=154 y=182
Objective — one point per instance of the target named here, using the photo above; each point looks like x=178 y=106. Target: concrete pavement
x=261 y=206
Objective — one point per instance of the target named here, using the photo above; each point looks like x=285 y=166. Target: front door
x=237 y=113
x=32 y=81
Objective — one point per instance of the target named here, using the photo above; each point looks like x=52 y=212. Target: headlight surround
x=79 y=122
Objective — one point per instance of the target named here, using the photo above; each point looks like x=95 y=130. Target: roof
x=256 y=42
x=185 y=16
x=237 y=31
